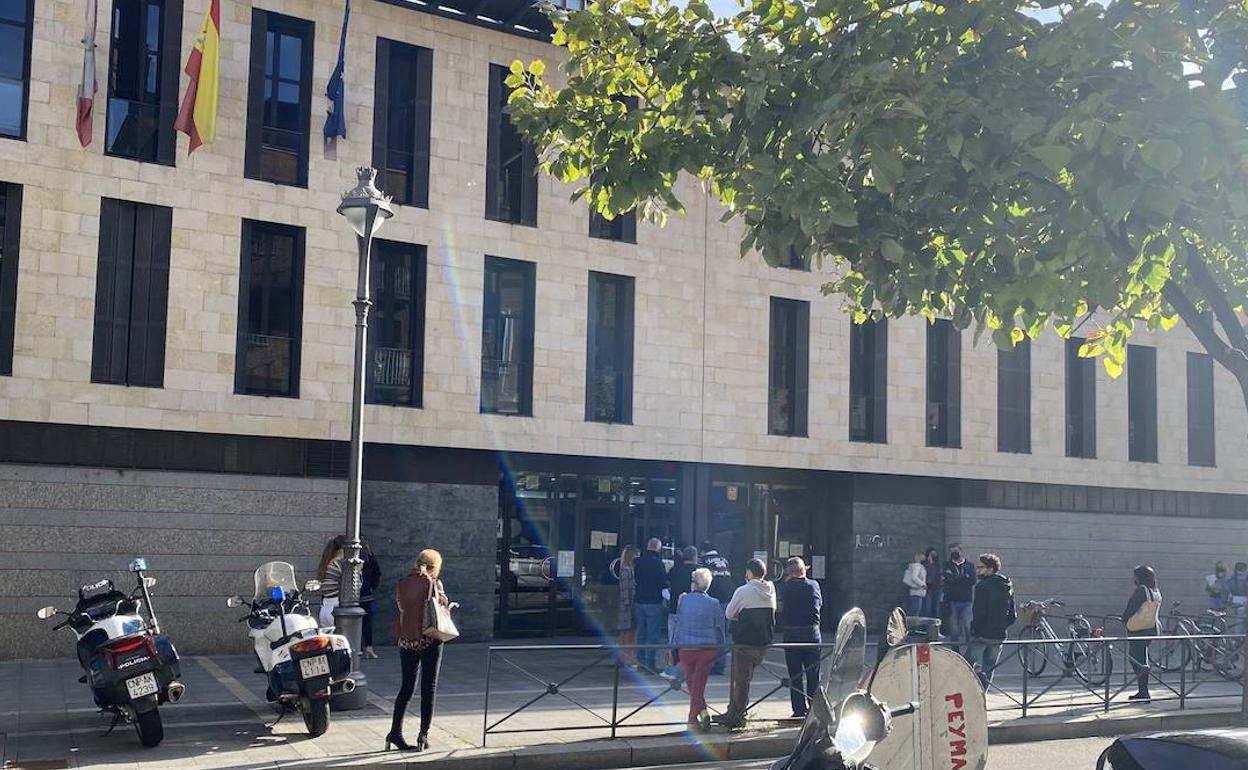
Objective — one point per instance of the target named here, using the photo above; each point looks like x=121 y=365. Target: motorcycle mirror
x=149 y=582
x=234 y=601
x=896 y=627
x=138 y=565
x=46 y=612
x=312 y=585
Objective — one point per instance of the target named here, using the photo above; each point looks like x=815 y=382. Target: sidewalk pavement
x=224 y=721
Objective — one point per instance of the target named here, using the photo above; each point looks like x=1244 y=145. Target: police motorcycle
x=921 y=707
x=131 y=667
x=303 y=663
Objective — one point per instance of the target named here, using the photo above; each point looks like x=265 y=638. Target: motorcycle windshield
x=849 y=657
x=274 y=574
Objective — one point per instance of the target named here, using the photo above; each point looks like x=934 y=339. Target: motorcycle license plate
x=314 y=667
x=142 y=685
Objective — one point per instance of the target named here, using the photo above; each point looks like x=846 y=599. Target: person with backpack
x=1143 y=621
x=992 y=612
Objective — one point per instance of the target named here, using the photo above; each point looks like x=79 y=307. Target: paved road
x=1049 y=755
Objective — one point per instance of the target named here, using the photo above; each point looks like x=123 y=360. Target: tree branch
x=1222 y=309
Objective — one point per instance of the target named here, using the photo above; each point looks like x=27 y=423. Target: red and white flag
x=88 y=87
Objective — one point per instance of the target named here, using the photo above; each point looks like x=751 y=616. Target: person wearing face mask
x=1215 y=588
x=1237 y=587
x=959 y=584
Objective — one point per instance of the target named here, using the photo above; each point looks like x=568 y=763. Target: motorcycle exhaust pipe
x=175 y=691
x=343 y=687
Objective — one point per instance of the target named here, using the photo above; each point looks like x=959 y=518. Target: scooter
x=304 y=664
x=131 y=667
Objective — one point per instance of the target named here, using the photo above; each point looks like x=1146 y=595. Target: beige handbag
x=1145 y=618
x=438 y=622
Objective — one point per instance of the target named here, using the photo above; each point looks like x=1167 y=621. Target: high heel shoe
x=422 y=741
x=398 y=742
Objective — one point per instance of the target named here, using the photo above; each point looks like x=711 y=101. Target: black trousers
x=427 y=661
x=803 y=663
x=368 y=622
x=1137 y=649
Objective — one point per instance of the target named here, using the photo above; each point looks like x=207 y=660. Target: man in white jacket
x=915 y=580
x=752 y=615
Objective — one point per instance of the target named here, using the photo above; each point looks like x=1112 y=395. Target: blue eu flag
x=336 y=120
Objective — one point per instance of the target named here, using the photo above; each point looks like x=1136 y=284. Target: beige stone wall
x=702 y=321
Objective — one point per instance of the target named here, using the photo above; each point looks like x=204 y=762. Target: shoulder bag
x=438 y=622
x=1145 y=618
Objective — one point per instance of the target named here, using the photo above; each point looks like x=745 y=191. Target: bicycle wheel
x=1228 y=658
x=1173 y=654
x=1091 y=663
x=1031 y=656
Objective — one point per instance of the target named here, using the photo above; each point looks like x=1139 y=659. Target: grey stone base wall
x=886 y=536
x=460 y=521
x=203 y=536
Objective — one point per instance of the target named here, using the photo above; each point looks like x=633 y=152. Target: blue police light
x=277 y=593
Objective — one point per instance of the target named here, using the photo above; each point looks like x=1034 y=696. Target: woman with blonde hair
x=416 y=650
x=625 y=623
x=329 y=573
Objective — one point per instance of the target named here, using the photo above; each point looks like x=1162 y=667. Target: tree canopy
x=956 y=158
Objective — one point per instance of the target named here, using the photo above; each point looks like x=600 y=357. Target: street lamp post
x=366 y=209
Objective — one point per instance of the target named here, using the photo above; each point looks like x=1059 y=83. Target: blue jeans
x=960 y=615
x=914 y=606
x=931 y=604
x=650 y=629
x=989 y=653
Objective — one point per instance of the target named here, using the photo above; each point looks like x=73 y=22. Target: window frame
x=262 y=22
x=249 y=229
x=1142 y=404
x=131 y=294
x=418 y=254
x=1014 y=398
x=1081 y=391
x=494 y=182
x=166 y=137
x=868 y=379
x=1201 y=411
x=10 y=257
x=943 y=369
x=793 y=316
x=528 y=271
x=624 y=342
x=417 y=192
x=26 y=67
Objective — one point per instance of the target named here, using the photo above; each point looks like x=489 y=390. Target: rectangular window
x=507 y=336
x=793 y=260
x=270 y=310
x=609 y=349
x=10 y=239
x=131 y=294
x=401 y=119
x=279 y=98
x=511 y=162
x=1142 y=403
x=1014 y=398
x=1080 y=402
x=868 y=381
x=396 y=324
x=788 y=381
x=16 y=23
x=944 y=384
x=143 y=79
x=622 y=228
x=1200 y=426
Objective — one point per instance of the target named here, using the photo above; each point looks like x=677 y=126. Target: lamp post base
x=349 y=621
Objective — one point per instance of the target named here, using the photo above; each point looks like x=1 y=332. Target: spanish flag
x=197 y=118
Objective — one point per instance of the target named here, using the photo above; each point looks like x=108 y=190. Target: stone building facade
x=207 y=482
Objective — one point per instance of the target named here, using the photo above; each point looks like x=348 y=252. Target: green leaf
x=517 y=67
x=1161 y=154
x=887 y=167
x=1054 y=157
x=1112 y=366
x=954 y=140
x=892 y=251
x=537 y=67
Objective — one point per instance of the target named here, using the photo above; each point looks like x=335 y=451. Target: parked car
x=1185 y=749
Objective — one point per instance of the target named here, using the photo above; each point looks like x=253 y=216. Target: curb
x=683 y=749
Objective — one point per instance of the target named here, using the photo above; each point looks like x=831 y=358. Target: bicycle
x=1085 y=659
x=1176 y=654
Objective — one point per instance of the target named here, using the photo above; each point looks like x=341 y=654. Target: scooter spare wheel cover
x=949 y=731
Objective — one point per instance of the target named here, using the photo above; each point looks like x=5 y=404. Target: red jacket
x=411 y=595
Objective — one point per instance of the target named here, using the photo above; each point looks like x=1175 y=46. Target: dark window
x=788 y=379
x=15 y=34
x=1080 y=402
x=868 y=381
x=507 y=336
x=396 y=324
x=10 y=239
x=621 y=228
x=609 y=349
x=143 y=79
x=401 y=115
x=944 y=384
x=1014 y=398
x=511 y=162
x=793 y=260
x=131 y=294
x=279 y=98
x=1200 y=427
x=1142 y=403
x=270 y=310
